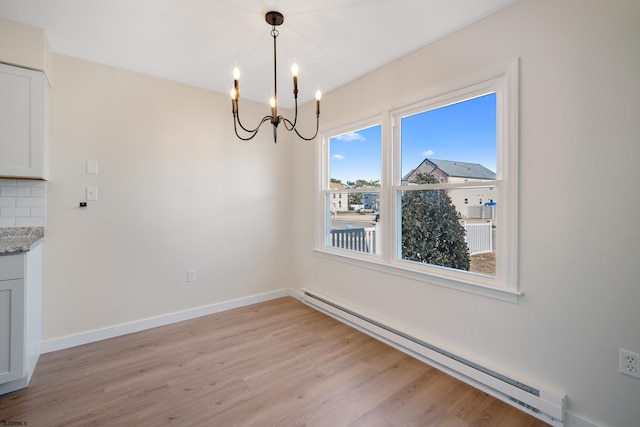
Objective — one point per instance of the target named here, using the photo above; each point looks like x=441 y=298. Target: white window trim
x=502 y=79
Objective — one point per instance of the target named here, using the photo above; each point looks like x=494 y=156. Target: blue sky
x=463 y=132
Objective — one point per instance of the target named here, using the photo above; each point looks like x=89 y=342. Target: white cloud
x=338 y=157
x=351 y=136
x=427 y=153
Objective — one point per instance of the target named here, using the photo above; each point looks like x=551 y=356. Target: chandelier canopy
x=274 y=19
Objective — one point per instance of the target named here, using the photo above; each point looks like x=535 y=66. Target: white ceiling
x=198 y=42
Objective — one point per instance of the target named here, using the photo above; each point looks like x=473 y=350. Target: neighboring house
x=371 y=201
x=339 y=198
x=469 y=202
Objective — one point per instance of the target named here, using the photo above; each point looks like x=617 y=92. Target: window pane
x=354 y=158
x=455 y=143
x=433 y=231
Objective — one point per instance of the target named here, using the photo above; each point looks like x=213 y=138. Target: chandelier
x=274 y=19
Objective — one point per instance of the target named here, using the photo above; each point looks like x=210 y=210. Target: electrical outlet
x=629 y=363
x=191 y=276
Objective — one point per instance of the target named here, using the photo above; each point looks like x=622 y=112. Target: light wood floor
x=278 y=363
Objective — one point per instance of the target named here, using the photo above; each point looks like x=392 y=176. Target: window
x=417 y=180
x=441 y=147
x=354 y=169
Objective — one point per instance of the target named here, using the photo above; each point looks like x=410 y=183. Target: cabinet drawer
x=11 y=267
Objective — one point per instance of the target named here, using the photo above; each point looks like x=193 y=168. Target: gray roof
x=459 y=169
x=463 y=169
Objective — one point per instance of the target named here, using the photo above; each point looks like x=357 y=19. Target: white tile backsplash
x=29 y=201
x=30 y=222
x=15 y=191
x=22 y=203
x=7 y=202
x=37 y=191
x=14 y=212
x=37 y=211
x=29 y=183
x=7 y=222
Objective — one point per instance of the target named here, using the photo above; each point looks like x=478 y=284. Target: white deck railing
x=478 y=236
x=355 y=239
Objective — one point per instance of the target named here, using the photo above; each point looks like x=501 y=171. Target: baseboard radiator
x=543 y=405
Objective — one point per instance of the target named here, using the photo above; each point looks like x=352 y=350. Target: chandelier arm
x=235 y=128
x=253 y=132
x=287 y=124
x=293 y=128
x=236 y=117
x=295 y=117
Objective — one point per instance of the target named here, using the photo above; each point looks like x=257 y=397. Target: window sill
x=500 y=294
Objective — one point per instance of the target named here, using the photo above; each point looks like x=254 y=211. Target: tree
x=431 y=232
x=362 y=183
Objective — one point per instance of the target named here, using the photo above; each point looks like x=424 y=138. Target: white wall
x=176 y=191
x=579 y=153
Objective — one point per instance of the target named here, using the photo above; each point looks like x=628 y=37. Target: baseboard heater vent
x=543 y=405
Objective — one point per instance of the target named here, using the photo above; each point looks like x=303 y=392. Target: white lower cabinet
x=20 y=317
x=11 y=330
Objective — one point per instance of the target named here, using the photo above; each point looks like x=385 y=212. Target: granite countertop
x=19 y=239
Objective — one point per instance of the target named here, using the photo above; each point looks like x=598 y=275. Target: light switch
x=92 y=193
x=92 y=167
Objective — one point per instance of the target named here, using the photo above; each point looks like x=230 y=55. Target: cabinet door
x=12 y=344
x=23 y=123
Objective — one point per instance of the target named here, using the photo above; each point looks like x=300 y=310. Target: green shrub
x=431 y=232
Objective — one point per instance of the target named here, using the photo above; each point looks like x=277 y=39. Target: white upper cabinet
x=24 y=123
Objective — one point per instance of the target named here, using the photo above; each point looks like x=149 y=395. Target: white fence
x=479 y=237
x=482 y=212
x=355 y=239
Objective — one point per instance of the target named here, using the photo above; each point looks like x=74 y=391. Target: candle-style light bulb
x=294 y=72
x=272 y=102
x=318 y=96
x=236 y=77
x=234 y=101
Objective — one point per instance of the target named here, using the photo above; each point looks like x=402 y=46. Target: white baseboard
x=573 y=420
x=141 y=325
